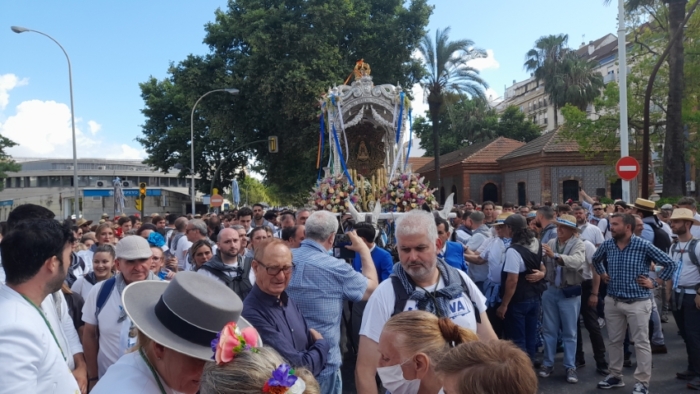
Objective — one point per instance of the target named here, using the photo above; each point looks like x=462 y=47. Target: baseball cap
x=516 y=222
x=133 y=247
x=667 y=207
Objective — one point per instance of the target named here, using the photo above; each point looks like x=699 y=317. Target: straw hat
x=184 y=315
x=82 y=222
x=684 y=214
x=567 y=221
x=502 y=218
x=644 y=205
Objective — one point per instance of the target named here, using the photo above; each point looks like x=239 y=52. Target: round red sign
x=627 y=168
x=216 y=200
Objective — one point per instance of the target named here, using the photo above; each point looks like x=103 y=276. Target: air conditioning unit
x=69 y=167
x=101 y=167
x=100 y=183
x=132 y=168
x=126 y=184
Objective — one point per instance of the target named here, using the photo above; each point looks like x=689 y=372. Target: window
x=67 y=181
x=32 y=181
x=522 y=195
x=490 y=192
x=19 y=182
x=43 y=181
x=54 y=181
x=8 y=183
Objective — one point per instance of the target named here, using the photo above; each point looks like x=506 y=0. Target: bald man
x=227 y=265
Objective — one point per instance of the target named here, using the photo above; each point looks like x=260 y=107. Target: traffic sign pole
x=622 y=60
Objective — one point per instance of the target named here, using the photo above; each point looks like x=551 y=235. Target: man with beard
x=228 y=265
x=32 y=359
x=421 y=281
x=686 y=291
x=489 y=210
x=259 y=217
x=628 y=302
x=108 y=332
x=286 y=220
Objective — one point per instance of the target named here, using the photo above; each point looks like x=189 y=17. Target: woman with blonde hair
x=411 y=345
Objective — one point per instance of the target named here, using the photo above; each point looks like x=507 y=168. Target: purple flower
x=281 y=377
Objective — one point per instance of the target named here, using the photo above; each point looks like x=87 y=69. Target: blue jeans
x=331 y=384
x=521 y=324
x=557 y=312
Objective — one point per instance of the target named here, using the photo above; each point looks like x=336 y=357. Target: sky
x=114 y=46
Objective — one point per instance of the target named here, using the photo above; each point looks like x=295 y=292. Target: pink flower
x=231 y=340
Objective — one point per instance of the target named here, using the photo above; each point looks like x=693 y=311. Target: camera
x=339 y=247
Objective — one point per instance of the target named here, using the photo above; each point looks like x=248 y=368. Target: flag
x=235 y=193
x=118 y=195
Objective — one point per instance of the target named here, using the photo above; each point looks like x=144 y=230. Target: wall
x=477 y=182
x=94 y=207
x=590 y=178
x=532 y=185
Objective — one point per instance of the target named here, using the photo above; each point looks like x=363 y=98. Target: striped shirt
x=319 y=285
x=626 y=265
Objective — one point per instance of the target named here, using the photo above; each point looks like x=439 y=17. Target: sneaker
x=686 y=375
x=640 y=388
x=545 y=371
x=694 y=384
x=659 y=349
x=601 y=322
x=571 y=375
x=580 y=364
x=602 y=370
x=610 y=382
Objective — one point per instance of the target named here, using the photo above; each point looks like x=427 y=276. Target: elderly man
x=628 y=302
x=293 y=235
x=302 y=215
x=106 y=323
x=564 y=258
x=321 y=283
x=686 y=291
x=32 y=358
x=228 y=266
x=453 y=294
x=275 y=316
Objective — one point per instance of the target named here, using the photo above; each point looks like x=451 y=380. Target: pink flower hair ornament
x=231 y=340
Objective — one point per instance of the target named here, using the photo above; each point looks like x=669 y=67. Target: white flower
x=298 y=387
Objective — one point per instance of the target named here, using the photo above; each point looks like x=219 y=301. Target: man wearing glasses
x=275 y=316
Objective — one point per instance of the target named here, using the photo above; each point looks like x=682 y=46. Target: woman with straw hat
x=176 y=323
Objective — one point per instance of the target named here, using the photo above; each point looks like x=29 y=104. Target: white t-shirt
x=82 y=287
x=603 y=227
x=183 y=246
x=695 y=230
x=514 y=263
x=592 y=233
x=586 y=272
x=110 y=342
x=689 y=272
x=130 y=375
x=462 y=236
x=381 y=305
x=56 y=311
x=478 y=272
x=494 y=253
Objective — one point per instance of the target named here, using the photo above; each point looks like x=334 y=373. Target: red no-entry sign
x=627 y=168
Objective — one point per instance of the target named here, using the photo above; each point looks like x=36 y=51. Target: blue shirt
x=382 y=261
x=282 y=327
x=319 y=285
x=548 y=233
x=626 y=265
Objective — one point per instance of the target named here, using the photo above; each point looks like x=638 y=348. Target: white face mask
x=393 y=380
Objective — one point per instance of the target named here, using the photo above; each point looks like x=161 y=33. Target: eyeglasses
x=274 y=271
x=597 y=209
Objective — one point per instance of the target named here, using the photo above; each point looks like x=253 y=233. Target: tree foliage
x=282 y=56
x=6 y=162
x=468 y=121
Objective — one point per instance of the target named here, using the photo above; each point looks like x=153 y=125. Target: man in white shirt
x=32 y=358
x=588 y=231
x=178 y=249
x=108 y=332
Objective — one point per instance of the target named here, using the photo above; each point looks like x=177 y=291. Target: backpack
x=238 y=284
x=174 y=240
x=661 y=239
x=103 y=295
x=691 y=246
x=401 y=296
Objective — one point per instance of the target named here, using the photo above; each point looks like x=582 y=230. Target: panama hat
x=502 y=218
x=184 y=315
x=684 y=214
x=567 y=221
x=644 y=205
x=82 y=222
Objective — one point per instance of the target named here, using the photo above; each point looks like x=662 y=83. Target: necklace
x=153 y=371
x=47 y=324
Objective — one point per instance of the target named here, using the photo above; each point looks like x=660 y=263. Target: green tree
x=282 y=56
x=6 y=162
x=448 y=73
x=513 y=124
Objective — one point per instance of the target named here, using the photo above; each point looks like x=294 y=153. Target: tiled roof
x=418 y=162
x=551 y=142
x=483 y=152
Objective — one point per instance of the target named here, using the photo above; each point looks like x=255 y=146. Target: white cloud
x=419 y=103
x=489 y=62
x=493 y=97
x=94 y=127
x=7 y=83
x=126 y=152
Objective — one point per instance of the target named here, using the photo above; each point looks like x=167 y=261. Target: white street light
x=18 y=30
x=228 y=90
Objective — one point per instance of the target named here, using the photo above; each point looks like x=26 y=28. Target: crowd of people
x=257 y=301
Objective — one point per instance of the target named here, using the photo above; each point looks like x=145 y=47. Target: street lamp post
x=228 y=90
x=18 y=30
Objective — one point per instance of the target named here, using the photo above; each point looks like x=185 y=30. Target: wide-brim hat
x=82 y=222
x=567 y=221
x=184 y=315
x=644 y=205
x=501 y=219
x=684 y=214
x=105 y=216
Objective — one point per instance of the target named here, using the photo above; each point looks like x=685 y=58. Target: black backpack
x=661 y=239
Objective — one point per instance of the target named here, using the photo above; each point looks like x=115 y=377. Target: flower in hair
x=155 y=239
x=283 y=381
x=231 y=340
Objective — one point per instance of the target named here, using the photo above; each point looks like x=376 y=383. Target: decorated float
x=363 y=127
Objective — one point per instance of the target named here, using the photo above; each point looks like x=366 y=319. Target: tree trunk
x=556 y=117
x=674 y=148
x=434 y=107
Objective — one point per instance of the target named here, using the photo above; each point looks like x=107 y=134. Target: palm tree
x=545 y=61
x=448 y=72
x=579 y=82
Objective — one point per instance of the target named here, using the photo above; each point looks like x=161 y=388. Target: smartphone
x=339 y=247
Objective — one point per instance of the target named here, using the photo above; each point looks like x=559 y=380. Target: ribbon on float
x=342 y=158
x=410 y=137
x=398 y=128
x=321 y=143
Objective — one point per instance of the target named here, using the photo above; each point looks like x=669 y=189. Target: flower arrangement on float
x=333 y=194
x=407 y=192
